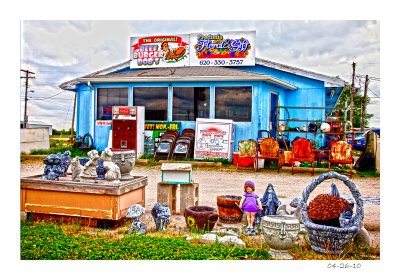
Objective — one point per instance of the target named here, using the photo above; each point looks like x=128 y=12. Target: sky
x=61 y=50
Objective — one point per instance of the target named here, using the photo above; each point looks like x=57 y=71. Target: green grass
x=74 y=151
x=50 y=241
x=56 y=241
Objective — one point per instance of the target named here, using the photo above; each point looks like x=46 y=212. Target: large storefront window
x=108 y=97
x=233 y=103
x=155 y=100
x=190 y=103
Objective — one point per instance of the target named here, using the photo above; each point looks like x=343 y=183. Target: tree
x=357 y=108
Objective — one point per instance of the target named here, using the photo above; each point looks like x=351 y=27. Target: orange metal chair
x=269 y=150
x=341 y=153
x=247 y=149
x=302 y=151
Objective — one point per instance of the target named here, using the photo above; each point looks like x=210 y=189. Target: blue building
x=248 y=95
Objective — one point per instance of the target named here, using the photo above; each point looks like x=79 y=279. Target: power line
x=370 y=78
x=60 y=104
x=43 y=98
x=378 y=96
x=66 y=116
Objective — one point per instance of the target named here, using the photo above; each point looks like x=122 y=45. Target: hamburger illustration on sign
x=159 y=51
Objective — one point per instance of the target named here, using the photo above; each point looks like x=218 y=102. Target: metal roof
x=197 y=73
x=329 y=80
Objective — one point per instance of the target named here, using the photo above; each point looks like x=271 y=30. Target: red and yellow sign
x=159 y=51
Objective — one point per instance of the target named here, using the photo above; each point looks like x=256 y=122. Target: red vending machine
x=128 y=128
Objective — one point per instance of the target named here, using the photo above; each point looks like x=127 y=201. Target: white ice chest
x=176 y=173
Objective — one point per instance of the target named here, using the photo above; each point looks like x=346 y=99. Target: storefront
x=174 y=90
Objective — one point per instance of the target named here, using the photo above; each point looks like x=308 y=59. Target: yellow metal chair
x=341 y=153
x=269 y=150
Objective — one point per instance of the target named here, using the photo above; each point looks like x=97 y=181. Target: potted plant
x=325 y=209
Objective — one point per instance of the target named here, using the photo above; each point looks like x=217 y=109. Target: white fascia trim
x=187 y=79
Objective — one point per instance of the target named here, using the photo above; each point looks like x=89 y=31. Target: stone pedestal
x=188 y=193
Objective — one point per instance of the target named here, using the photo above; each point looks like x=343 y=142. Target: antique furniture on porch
x=269 y=150
x=341 y=153
x=302 y=151
x=247 y=149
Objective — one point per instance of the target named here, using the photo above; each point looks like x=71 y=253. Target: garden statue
x=76 y=169
x=161 y=215
x=112 y=171
x=65 y=162
x=89 y=173
x=134 y=212
x=270 y=203
x=100 y=170
x=348 y=213
x=53 y=168
x=295 y=203
x=334 y=190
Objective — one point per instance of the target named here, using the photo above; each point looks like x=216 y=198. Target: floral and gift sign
x=223 y=49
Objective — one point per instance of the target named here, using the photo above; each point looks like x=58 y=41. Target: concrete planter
x=280 y=233
x=125 y=159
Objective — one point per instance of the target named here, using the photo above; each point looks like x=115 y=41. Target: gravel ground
x=226 y=181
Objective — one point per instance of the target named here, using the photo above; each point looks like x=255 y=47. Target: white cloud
x=59 y=51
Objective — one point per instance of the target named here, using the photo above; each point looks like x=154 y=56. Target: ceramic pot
x=228 y=209
x=202 y=218
x=280 y=233
x=125 y=159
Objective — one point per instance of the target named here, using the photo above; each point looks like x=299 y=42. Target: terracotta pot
x=202 y=218
x=228 y=209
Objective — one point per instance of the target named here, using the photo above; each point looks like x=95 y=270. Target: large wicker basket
x=328 y=239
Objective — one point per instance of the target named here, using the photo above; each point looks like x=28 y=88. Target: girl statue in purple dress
x=250 y=203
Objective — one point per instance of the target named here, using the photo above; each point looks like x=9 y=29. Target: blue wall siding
x=310 y=92
x=101 y=137
x=84 y=118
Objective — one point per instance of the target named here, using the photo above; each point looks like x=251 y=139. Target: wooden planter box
x=90 y=202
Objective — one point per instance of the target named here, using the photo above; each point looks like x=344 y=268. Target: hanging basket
x=329 y=239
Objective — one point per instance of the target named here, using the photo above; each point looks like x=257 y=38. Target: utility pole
x=353 y=90
x=26 y=77
x=364 y=103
